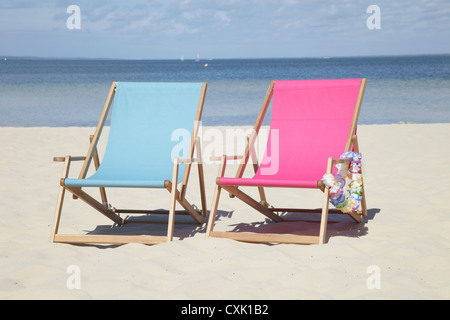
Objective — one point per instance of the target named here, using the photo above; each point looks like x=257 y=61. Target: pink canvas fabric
x=311 y=120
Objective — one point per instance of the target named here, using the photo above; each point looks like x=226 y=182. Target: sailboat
x=198 y=57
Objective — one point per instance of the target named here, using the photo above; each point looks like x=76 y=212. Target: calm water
x=73 y=92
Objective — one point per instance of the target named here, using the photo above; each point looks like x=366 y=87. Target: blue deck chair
x=143 y=150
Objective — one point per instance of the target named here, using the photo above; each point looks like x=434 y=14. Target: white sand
x=405 y=237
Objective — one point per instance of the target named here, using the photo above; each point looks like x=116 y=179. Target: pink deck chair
x=313 y=123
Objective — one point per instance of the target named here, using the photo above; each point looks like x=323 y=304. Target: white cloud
x=222 y=15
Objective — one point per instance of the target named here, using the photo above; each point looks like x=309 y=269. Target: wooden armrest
x=226 y=157
x=342 y=160
x=62 y=159
x=189 y=160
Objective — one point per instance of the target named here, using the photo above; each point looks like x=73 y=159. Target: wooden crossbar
x=109 y=239
x=266 y=237
x=157 y=211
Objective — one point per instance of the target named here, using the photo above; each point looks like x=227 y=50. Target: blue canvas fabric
x=150 y=124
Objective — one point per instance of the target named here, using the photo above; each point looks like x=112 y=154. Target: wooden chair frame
x=176 y=195
x=262 y=205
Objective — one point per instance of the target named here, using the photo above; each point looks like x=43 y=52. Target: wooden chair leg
x=326 y=203
x=216 y=196
x=324 y=218
x=363 y=200
x=201 y=177
x=213 y=212
x=184 y=203
x=364 y=203
x=173 y=202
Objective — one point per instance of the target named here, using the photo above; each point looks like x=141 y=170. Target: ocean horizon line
x=38 y=58
x=237 y=126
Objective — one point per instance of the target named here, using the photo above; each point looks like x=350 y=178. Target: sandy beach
x=400 y=251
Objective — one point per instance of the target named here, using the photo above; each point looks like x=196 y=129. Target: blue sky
x=169 y=29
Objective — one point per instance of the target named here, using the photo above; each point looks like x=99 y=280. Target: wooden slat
x=262 y=194
x=363 y=200
x=97 y=165
x=98 y=132
x=325 y=204
x=173 y=201
x=216 y=196
x=109 y=239
x=201 y=177
x=355 y=216
x=95 y=204
x=252 y=202
x=60 y=200
x=62 y=159
x=266 y=237
x=356 y=115
x=198 y=117
x=304 y=210
x=254 y=134
x=215 y=158
x=157 y=211
x=185 y=204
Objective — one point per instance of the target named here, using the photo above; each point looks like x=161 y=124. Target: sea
x=71 y=92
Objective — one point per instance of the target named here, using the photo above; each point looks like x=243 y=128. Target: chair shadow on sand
x=339 y=225
x=154 y=224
